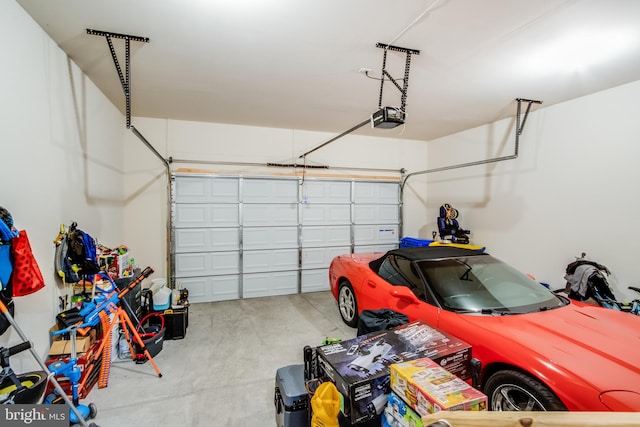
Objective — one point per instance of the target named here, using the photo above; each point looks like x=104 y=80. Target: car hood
x=592 y=344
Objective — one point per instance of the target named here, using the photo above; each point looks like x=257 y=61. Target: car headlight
x=621 y=400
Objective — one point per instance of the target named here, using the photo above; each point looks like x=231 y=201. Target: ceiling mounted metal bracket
x=125 y=80
x=385 y=73
x=519 y=126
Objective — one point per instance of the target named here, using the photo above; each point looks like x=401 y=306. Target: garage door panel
x=321 y=257
x=212 y=288
x=376 y=214
x=208 y=263
x=334 y=235
x=203 y=215
x=206 y=239
x=376 y=193
x=270 y=215
x=375 y=248
x=270 y=260
x=269 y=237
x=317 y=191
x=315 y=280
x=325 y=214
x=268 y=284
x=203 y=189
x=375 y=234
x=269 y=191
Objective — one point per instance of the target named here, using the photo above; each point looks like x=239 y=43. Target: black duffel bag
x=380 y=320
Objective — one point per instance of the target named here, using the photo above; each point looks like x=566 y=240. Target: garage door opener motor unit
x=387 y=118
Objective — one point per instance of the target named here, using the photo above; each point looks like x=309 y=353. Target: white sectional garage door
x=242 y=237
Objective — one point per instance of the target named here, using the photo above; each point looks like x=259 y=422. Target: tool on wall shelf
x=385 y=117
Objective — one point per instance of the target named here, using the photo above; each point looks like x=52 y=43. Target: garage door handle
x=372 y=284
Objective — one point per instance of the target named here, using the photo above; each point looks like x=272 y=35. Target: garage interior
x=229 y=145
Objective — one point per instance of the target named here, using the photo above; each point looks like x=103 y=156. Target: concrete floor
x=222 y=373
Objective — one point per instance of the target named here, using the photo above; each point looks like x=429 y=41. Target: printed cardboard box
x=398 y=414
x=428 y=388
x=359 y=367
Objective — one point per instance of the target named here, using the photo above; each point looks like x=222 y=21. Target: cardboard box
x=61 y=345
x=399 y=414
x=428 y=388
x=89 y=364
x=360 y=367
x=448 y=351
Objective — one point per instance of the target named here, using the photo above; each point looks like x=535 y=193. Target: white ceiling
x=295 y=64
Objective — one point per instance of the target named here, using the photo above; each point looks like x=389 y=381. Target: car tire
x=511 y=390
x=347 y=304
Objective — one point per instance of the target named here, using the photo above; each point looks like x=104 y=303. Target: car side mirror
x=402 y=292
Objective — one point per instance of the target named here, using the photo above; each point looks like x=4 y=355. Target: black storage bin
x=176 y=321
x=379 y=320
x=291 y=399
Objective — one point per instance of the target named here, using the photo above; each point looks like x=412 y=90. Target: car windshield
x=486 y=285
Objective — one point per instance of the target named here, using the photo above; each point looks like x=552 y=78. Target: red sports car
x=532 y=348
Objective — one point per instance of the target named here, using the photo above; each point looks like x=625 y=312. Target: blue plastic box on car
x=410 y=242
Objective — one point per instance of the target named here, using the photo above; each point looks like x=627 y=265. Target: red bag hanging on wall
x=26 y=277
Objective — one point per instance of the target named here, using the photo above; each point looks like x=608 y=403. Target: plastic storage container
x=291 y=399
x=162 y=299
x=410 y=242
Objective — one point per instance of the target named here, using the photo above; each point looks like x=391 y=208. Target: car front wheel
x=511 y=390
x=347 y=304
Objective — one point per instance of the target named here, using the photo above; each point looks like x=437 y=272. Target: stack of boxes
x=362 y=368
x=420 y=387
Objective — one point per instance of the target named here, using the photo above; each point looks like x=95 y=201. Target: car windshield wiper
x=504 y=311
x=465 y=310
x=465 y=275
x=478 y=311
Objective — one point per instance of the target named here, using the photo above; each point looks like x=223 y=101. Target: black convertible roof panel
x=425 y=253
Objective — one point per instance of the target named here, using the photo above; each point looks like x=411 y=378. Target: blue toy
x=71 y=371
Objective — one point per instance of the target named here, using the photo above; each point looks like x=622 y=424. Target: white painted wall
x=61 y=160
x=571 y=190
